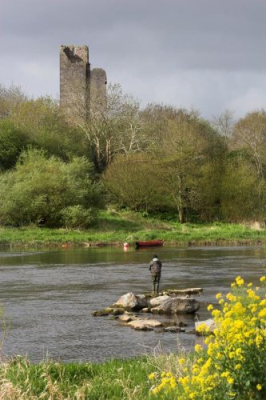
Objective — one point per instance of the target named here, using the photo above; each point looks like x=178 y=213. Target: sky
x=208 y=55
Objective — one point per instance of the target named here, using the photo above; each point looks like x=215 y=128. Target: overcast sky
x=205 y=54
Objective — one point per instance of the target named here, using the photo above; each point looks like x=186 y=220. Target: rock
x=177 y=305
x=103 y=313
x=108 y=311
x=156 y=301
x=182 y=324
x=183 y=291
x=127 y=318
x=145 y=324
x=173 y=329
x=166 y=324
x=130 y=301
x=146 y=310
x=118 y=311
x=209 y=323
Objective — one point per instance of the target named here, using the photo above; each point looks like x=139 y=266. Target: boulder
x=144 y=324
x=130 y=301
x=177 y=305
x=157 y=301
x=208 y=323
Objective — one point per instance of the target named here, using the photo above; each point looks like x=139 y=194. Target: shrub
x=78 y=217
x=234 y=365
x=40 y=188
x=12 y=141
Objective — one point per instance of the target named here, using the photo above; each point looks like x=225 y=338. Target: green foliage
x=249 y=134
x=78 y=217
x=133 y=182
x=12 y=142
x=243 y=195
x=181 y=172
x=160 y=160
x=40 y=188
x=42 y=124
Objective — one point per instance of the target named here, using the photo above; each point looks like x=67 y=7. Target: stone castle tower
x=80 y=87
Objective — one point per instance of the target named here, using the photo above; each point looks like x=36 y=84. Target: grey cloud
x=139 y=43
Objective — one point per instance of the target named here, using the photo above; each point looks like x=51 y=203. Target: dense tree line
x=159 y=160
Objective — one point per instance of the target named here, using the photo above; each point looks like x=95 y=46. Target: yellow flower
x=210 y=307
x=258 y=340
x=219 y=295
x=225 y=374
x=198 y=348
x=230 y=380
x=172 y=382
x=152 y=376
x=258 y=387
x=181 y=361
x=262 y=313
x=263 y=278
x=231 y=297
x=239 y=281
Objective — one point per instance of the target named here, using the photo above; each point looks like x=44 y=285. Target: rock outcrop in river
x=166 y=304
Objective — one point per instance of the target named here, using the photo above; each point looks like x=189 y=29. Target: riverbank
x=115 y=379
x=117 y=228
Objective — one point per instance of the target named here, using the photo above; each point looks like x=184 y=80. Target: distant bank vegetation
x=163 y=162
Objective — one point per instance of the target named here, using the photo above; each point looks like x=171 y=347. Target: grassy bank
x=117 y=228
x=115 y=379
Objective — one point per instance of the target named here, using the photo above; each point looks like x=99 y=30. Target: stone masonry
x=80 y=87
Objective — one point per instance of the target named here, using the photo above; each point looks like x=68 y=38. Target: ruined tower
x=80 y=87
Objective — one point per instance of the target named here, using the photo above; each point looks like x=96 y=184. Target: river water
x=48 y=297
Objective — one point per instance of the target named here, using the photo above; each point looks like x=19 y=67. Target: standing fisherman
x=155 y=267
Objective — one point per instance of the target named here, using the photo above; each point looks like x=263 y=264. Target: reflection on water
x=48 y=296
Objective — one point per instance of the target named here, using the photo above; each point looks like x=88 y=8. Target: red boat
x=148 y=243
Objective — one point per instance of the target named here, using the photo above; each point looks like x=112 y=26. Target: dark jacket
x=155 y=267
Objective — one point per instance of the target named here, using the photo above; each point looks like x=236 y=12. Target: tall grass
x=115 y=379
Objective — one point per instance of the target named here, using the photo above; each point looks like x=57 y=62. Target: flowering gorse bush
x=233 y=364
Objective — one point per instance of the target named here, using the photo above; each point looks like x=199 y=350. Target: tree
x=224 y=124
x=243 y=194
x=10 y=98
x=181 y=170
x=133 y=182
x=110 y=125
x=190 y=150
x=250 y=134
